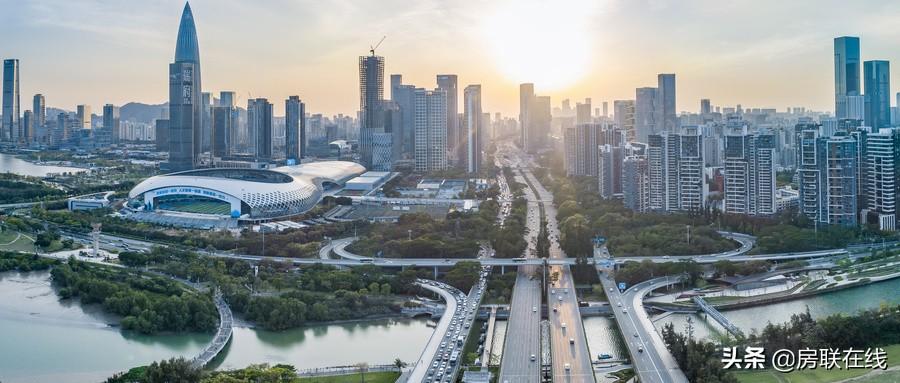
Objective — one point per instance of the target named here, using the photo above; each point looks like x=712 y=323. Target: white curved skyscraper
x=184 y=97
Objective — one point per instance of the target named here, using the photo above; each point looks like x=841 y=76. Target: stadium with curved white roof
x=246 y=194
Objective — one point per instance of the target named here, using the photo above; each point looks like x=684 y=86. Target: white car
x=534 y=309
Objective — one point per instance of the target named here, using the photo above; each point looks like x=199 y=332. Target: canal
x=45 y=340
x=755 y=318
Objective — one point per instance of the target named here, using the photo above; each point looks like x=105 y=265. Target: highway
x=522 y=345
x=571 y=359
x=420 y=369
x=651 y=359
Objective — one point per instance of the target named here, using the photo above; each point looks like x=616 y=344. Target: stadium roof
x=258 y=193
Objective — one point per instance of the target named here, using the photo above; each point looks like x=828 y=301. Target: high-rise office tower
x=39 y=109
x=448 y=83
x=667 y=118
x=385 y=146
x=583 y=113
x=538 y=127
x=645 y=113
x=161 y=127
x=705 y=106
x=221 y=127
x=883 y=175
x=605 y=109
x=749 y=173
x=259 y=128
x=205 y=120
x=371 y=93
x=185 y=113
x=61 y=131
x=294 y=129
x=111 y=125
x=27 y=127
x=846 y=74
x=83 y=115
x=878 y=94
x=585 y=143
x=396 y=81
x=624 y=117
x=431 y=130
x=473 y=127
x=10 y=100
x=227 y=98
x=526 y=97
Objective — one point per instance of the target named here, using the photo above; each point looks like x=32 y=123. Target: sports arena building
x=224 y=196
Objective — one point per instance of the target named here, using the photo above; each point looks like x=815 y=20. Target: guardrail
x=223 y=333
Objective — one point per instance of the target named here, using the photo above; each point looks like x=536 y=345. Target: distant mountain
x=138 y=112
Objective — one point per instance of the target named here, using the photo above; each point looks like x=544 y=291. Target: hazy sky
x=754 y=52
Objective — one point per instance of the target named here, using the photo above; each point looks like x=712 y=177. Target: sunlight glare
x=546 y=43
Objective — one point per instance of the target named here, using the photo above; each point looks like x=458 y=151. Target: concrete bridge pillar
x=435 y=273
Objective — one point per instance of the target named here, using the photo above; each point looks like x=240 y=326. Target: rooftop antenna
x=373 y=48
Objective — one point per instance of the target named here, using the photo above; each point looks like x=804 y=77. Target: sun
x=542 y=42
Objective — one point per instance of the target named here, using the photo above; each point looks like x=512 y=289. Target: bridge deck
x=717 y=316
x=223 y=334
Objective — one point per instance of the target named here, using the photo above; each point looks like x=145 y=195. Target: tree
x=463 y=275
x=399 y=364
x=576 y=236
x=175 y=370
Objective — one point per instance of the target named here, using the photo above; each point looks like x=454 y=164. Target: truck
x=454 y=357
x=460 y=340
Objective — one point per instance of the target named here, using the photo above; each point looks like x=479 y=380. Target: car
x=534 y=309
x=640 y=348
x=567 y=367
x=560 y=297
x=571 y=340
x=563 y=325
x=625 y=311
x=635 y=335
x=533 y=358
x=554 y=309
x=619 y=304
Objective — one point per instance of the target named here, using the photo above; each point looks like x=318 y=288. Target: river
x=45 y=340
x=747 y=319
x=11 y=164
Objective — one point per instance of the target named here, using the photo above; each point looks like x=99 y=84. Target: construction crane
x=372 y=49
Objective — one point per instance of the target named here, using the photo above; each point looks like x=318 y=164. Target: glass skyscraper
x=371 y=93
x=878 y=94
x=294 y=129
x=846 y=73
x=185 y=112
x=11 y=113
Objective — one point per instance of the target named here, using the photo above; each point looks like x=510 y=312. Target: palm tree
x=399 y=364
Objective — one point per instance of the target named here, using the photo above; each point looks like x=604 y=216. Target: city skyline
x=606 y=50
